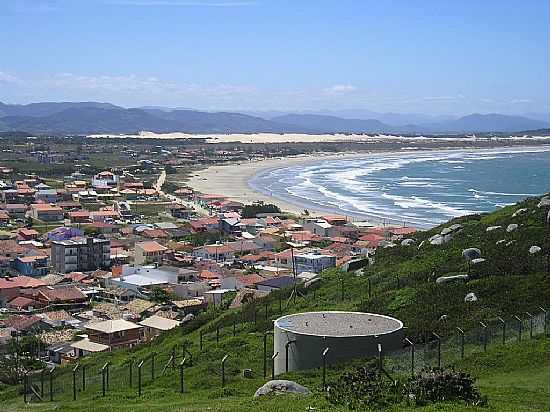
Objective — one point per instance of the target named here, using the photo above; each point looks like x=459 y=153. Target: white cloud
x=339 y=89
x=8 y=78
x=521 y=101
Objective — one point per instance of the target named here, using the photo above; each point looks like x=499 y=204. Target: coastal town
x=112 y=259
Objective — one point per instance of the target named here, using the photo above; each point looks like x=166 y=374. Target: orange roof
x=20 y=282
x=151 y=246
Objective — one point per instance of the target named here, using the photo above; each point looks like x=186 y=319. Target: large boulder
x=511 y=227
x=408 y=242
x=534 y=249
x=281 y=386
x=471 y=253
x=436 y=240
x=544 y=202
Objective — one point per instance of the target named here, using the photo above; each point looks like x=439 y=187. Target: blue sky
x=441 y=56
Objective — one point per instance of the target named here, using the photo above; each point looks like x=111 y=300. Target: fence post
x=200 y=339
x=254 y=315
x=342 y=288
x=42 y=383
x=51 y=384
x=370 y=287
x=103 y=382
x=520 y=327
x=484 y=326
x=410 y=342
x=438 y=349
x=544 y=318
x=461 y=332
x=25 y=386
x=153 y=354
x=217 y=334
x=287 y=344
x=83 y=378
x=273 y=365
x=530 y=324
x=223 y=369
x=139 y=377
x=181 y=374
x=266 y=311
x=380 y=358
x=325 y=352
x=130 y=367
x=265 y=351
x=173 y=356
x=280 y=305
x=503 y=323
x=398 y=282
x=75 y=369
x=234 y=325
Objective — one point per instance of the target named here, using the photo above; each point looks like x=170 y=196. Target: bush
x=437 y=385
x=364 y=388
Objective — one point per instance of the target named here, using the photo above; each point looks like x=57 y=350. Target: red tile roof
x=63 y=294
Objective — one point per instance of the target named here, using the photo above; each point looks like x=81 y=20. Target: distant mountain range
x=93 y=117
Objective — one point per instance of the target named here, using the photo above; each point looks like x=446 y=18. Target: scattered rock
x=421 y=244
x=471 y=253
x=447 y=279
x=470 y=297
x=444 y=318
x=510 y=243
x=519 y=212
x=534 y=249
x=187 y=318
x=544 y=202
x=548 y=218
x=446 y=231
x=491 y=228
x=408 y=242
x=511 y=227
x=436 y=240
x=477 y=261
x=281 y=386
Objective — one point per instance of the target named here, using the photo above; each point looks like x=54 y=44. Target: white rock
x=470 y=297
x=501 y=241
x=519 y=212
x=544 y=202
x=408 y=242
x=280 y=386
x=534 y=249
x=491 y=228
x=477 y=261
x=511 y=227
x=447 y=279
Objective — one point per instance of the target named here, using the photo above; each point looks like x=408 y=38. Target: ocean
x=417 y=188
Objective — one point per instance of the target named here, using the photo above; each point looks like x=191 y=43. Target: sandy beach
x=232 y=180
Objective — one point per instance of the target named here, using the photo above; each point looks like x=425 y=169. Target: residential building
x=313 y=262
x=34 y=266
x=149 y=252
x=114 y=333
x=155 y=325
x=46 y=212
x=80 y=254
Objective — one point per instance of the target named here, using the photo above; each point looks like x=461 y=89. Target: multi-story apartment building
x=80 y=254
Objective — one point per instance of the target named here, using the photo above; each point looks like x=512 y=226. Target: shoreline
x=234 y=181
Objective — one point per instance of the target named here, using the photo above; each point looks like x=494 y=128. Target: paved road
x=158 y=186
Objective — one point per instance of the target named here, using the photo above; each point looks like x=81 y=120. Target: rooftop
x=338 y=324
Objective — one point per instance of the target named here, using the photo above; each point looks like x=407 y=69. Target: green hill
x=510 y=282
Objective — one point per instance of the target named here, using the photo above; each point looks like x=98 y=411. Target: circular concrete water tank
x=348 y=335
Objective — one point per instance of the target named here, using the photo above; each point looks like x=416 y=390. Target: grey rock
x=471 y=253
x=436 y=240
x=189 y=317
x=456 y=227
x=491 y=228
x=511 y=227
x=446 y=231
x=510 y=243
x=544 y=202
x=477 y=261
x=534 y=249
x=447 y=279
x=281 y=386
x=470 y=297
x=519 y=212
x=501 y=241
x=408 y=242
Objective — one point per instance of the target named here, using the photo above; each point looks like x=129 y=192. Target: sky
x=410 y=56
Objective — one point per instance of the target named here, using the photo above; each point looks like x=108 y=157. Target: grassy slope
x=510 y=282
